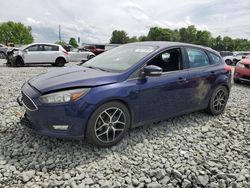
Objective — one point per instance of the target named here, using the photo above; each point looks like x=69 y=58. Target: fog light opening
x=60 y=127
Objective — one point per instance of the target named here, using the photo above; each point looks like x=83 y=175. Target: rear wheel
x=60 y=62
x=218 y=100
x=236 y=80
x=90 y=57
x=108 y=124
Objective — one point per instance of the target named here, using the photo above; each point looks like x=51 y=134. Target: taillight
x=227 y=68
x=65 y=52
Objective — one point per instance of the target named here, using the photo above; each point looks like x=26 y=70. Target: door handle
x=182 y=80
x=212 y=72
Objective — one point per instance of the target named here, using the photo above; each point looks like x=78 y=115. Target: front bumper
x=242 y=74
x=45 y=118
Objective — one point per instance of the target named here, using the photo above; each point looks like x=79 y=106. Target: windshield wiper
x=97 y=68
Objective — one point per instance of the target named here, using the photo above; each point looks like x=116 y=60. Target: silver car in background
x=78 y=55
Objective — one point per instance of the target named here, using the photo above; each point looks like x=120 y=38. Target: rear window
x=197 y=58
x=214 y=58
x=50 y=48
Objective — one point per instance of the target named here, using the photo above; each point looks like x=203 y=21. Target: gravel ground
x=195 y=150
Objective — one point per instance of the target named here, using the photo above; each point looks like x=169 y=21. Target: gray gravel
x=194 y=150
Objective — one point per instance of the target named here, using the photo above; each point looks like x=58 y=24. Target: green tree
x=119 y=37
x=73 y=42
x=15 y=33
x=203 y=38
x=188 y=34
x=133 y=39
x=62 y=42
x=228 y=44
x=142 y=38
x=159 y=34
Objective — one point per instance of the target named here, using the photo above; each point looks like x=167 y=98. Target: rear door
x=201 y=77
x=50 y=53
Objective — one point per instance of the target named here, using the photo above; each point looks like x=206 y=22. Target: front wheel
x=218 y=101
x=108 y=124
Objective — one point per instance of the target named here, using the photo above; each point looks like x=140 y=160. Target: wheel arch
x=60 y=57
x=119 y=100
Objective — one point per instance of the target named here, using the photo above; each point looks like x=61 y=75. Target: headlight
x=240 y=65
x=64 y=96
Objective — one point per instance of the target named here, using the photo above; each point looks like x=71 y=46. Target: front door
x=166 y=95
x=32 y=54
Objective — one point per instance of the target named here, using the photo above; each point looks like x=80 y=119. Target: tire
x=228 y=62
x=103 y=122
x=18 y=62
x=90 y=57
x=237 y=81
x=2 y=55
x=218 y=101
x=60 y=62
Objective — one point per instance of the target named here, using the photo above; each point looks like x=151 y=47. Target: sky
x=94 y=20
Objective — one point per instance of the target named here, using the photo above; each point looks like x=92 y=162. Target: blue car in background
x=123 y=88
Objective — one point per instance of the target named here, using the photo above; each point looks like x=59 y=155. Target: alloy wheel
x=110 y=124
x=219 y=100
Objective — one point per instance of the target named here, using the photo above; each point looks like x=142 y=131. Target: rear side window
x=32 y=48
x=214 y=58
x=50 y=48
x=197 y=58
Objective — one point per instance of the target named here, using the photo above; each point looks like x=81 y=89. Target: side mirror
x=152 y=70
x=244 y=56
x=26 y=50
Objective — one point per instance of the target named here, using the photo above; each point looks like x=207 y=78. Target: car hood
x=70 y=77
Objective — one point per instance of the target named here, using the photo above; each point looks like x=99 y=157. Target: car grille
x=28 y=103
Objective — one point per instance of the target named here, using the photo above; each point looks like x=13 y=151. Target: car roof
x=166 y=44
x=44 y=44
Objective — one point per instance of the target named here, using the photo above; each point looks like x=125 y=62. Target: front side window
x=197 y=58
x=32 y=48
x=121 y=58
x=169 y=60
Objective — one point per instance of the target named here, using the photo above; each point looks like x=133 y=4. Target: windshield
x=120 y=58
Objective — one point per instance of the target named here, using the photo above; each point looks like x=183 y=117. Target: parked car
x=232 y=60
x=242 y=70
x=76 y=55
x=226 y=53
x=94 y=49
x=3 y=50
x=40 y=53
x=123 y=88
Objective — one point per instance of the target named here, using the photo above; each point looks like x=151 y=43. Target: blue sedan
x=125 y=87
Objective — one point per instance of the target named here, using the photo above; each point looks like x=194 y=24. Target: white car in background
x=234 y=59
x=78 y=55
x=40 y=53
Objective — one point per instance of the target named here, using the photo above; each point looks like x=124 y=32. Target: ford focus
x=125 y=87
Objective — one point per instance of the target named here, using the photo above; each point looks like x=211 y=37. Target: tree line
x=188 y=35
x=17 y=33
